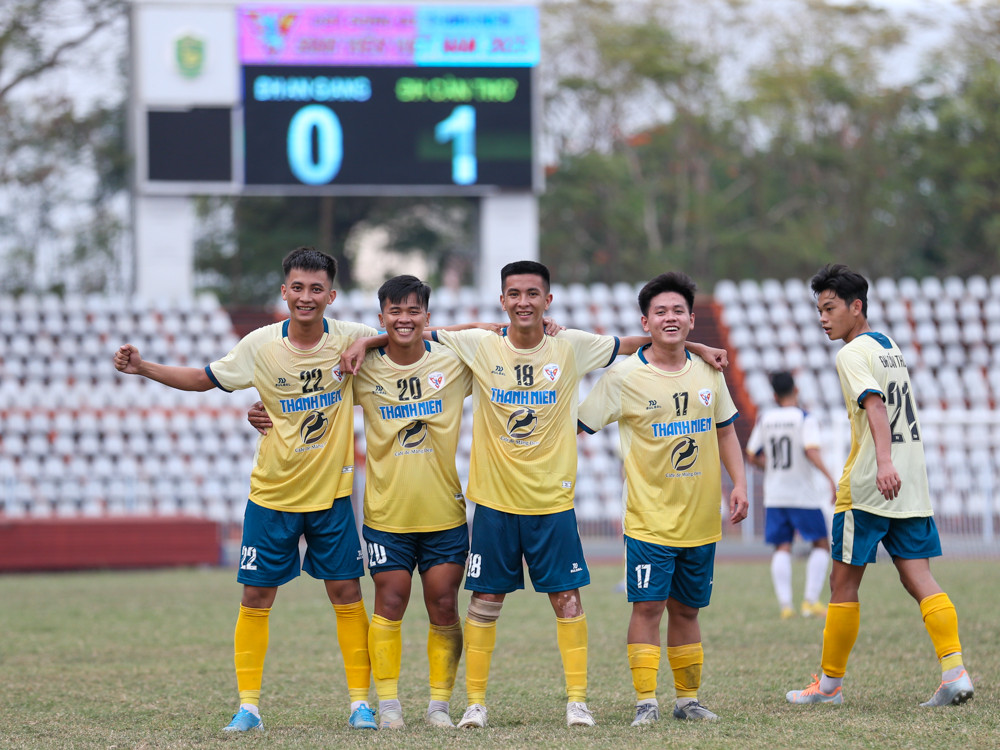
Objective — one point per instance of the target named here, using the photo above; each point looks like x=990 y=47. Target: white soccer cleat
x=578 y=715
x=952 y=693
x=440 y=719
x=646 y=713
x=474 y=717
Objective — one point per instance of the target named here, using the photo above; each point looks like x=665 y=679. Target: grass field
x=144 y=660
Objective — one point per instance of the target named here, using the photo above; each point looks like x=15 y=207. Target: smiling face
x=525 y=300
x=668 y=321
x=840 y=321
x=307 y=294
x=404 y=321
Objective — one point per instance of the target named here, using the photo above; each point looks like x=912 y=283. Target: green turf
x=144 y=660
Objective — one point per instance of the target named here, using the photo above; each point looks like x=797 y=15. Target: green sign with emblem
x=189 y=51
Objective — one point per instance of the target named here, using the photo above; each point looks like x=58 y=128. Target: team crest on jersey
x=337 y=373
x=551 y=371
x=685 y=454
x=413 y=434
x=436 y=379
x=521 y=423
x=313 y=427
x=705 y=396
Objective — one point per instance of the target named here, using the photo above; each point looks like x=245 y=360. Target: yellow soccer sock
x=843 y=620
x=444 y=650
x=352 y=635
x=250 y=648
x=941 y=621
x=571 y=634
x=686 y=662
x=644 y=661
x=385 y=649
x=480 y=640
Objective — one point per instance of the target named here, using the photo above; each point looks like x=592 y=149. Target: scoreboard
x=344 y=98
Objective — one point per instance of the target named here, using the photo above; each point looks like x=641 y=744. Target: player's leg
x=442 y=564
x=333 y=555
x=391 y=560
x=911 y=542
x=691 y=591
x=554 y=555
x=778 y=531
x=811 y=526
x=494 y=570
x=856 y=535
x=649 y=575
x=269 y=557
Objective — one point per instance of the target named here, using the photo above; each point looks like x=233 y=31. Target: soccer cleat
x=953 y=692
x=363 y=718
x=693 y=710
x=474 y=717
x=814 y=609
x=787 y=613
x=244 y=721
x=646 y=713
x=440 y=719
x=391 y=720
x=812 y=694
x=578 y=715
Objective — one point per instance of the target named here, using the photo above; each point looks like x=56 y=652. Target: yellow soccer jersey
x=412 y=418
x=524 y=415
x=667 y=424
x=872 y=363
x=306 y=460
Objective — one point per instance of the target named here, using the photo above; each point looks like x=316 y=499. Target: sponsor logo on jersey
x=652 y=404
x=522 y=398
x=282 y=383
x=313 y=427
x=411 y=411
x=575 y=568
x=684 y=455
x=436 y=379
x=705 y=396
x=310 y=403
x=681 y=427
x=521 y=423
x=413 y=434
x=567 y=485
x=551 y=371
x=498 y=370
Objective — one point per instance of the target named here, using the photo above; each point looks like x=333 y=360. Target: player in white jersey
x=785 y=445
x=302 y=476
x=882 y=496
x=675 y=418
x=412 y=394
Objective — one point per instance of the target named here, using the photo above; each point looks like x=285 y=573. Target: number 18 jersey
x=872 y=363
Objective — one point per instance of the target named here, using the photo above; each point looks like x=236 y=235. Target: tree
x=62 y=163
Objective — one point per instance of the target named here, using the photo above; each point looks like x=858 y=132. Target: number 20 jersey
x=872 y=363
x=306 y=460
x=413 y=415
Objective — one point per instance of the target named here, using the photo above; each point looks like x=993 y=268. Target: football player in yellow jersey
x=412 y=394
x=675 y=419
x=302 y=476
x=882 y=496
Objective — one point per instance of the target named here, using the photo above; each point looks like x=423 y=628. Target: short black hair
x=398 y=288
x=672 y=281
x=843 y=282
x=519 y=267
x=783 y=383
x=310 y=259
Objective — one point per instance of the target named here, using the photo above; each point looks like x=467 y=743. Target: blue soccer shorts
x=857 y=533
x=270 y=547
x=780 y=524
x=422 y=550
x=549 y=544
x=656 y=572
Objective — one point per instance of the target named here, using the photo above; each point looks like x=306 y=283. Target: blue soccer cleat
x=362 y=718
x=244 y=721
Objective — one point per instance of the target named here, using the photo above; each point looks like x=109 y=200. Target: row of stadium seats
x=79 y=438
